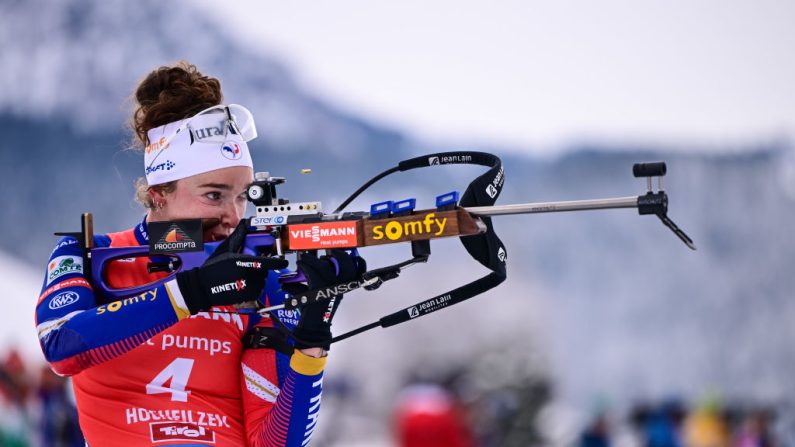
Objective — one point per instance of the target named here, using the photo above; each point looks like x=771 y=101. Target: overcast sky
x=541 y=74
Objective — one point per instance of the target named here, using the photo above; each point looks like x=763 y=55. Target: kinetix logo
x=236 y=286
x=249 y=264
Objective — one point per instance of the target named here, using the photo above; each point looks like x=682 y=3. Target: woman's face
x=217 y=196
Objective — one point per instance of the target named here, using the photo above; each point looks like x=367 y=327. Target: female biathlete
x=177 y=365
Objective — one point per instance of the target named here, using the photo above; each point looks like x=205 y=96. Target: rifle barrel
x=554 y=207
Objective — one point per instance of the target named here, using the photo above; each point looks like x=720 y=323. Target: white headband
x=187 y=155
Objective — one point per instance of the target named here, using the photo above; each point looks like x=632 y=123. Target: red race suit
x=147 y=373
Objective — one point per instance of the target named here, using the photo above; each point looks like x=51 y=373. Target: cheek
x=188 y=207
x=241 y=208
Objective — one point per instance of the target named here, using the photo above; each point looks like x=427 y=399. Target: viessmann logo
x=397 y=229
x=323 y=235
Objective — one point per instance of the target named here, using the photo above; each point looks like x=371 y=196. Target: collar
x=142 y=232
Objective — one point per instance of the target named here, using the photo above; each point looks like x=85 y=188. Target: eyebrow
x=216 y=186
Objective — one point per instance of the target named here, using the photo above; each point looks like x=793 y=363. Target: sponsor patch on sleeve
x=63 y=265
x=73 y=282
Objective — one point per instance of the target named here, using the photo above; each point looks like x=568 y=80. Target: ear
x=158 y=196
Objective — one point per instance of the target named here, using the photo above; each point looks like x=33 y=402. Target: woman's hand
x=227 y=277
x=313 y=331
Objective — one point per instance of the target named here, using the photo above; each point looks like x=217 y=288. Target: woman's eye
x=213 y=195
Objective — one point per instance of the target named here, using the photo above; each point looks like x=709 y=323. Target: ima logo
x=231 y=151
x=63 y=299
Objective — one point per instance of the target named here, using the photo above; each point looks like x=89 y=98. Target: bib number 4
x=172 y=379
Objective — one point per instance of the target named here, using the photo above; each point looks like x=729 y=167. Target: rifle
x=281 y=227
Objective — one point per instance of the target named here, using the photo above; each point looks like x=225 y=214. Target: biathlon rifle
x=281 y=227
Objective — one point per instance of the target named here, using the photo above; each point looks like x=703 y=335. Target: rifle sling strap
x=486 y=248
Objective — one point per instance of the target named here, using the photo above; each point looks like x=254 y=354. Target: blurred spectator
x=706 y=427
x=597 y=434
x=59 y=424
x=14 y=388
x=35 y=410
x=663 y=427
x=427 y=415
x=755 y=431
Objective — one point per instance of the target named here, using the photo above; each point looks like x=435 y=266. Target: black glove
x=314 y=327
x=227 y=277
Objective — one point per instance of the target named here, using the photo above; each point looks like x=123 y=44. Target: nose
x=231 y=214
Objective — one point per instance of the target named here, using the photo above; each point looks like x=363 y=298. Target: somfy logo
x=395 y=230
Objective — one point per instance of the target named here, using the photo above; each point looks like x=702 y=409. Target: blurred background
x=608 y=331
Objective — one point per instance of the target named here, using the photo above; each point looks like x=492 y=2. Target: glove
x=227 y=276
x=314 y=327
